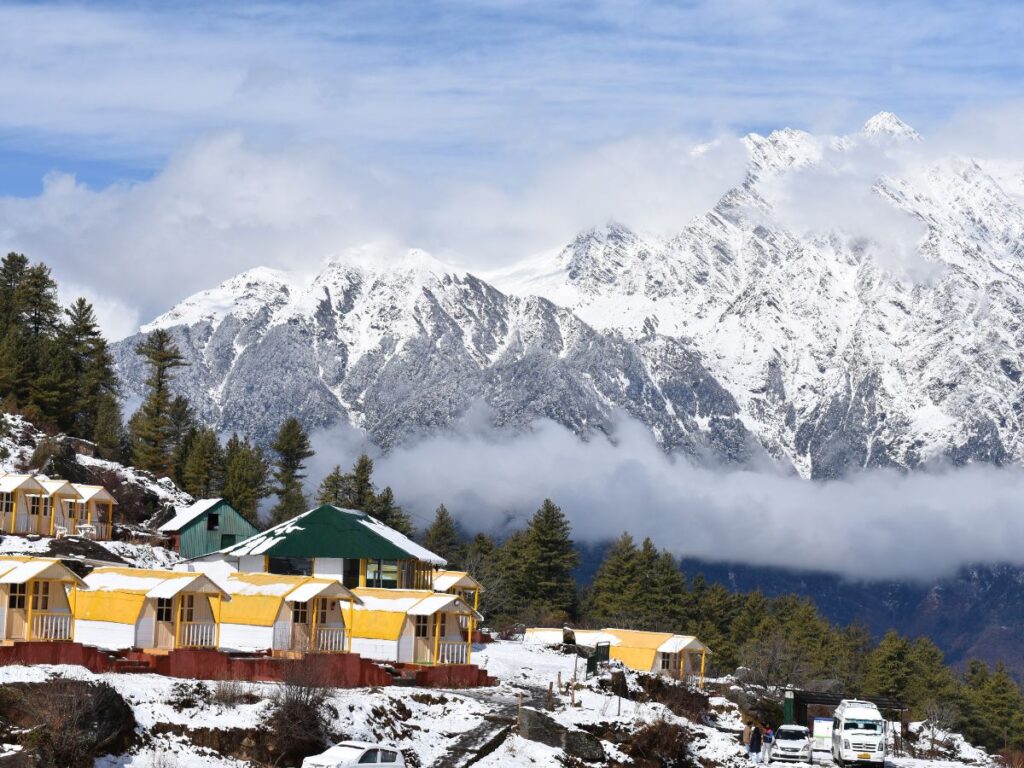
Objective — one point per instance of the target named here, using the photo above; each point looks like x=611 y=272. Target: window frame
x=40 y=596
x=300 y=613
x=422 y=628
x=17 y=597
x=213 y=521
x=165 y=607
x=6 y=503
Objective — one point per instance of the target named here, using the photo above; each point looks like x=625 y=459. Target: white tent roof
x=94 y=492
x=10 y=482
x=19 y=572
x=59 y=486
x=445 y=580
x=198 y=583
x=306 y=592
x=678 y=643
x=185 y=515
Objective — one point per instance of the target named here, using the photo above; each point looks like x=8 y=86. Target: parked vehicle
x=352 y=753
x=792 y=742
x=858 y=733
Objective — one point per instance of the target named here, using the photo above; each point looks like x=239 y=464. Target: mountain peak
x=889 y=126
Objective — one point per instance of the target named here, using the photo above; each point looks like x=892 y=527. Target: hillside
x=881 y=332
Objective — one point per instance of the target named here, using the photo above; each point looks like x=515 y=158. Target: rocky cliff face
x=761 y=326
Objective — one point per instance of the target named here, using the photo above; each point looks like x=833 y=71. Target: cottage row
x=34 y=504
x=162 y=610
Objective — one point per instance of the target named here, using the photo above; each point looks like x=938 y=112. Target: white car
x=349 y=753
x=792 y=742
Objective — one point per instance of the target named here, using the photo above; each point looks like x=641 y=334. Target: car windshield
x=868 y=726
x=790 y=735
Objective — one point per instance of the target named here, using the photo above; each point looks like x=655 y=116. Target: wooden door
x=423 y=642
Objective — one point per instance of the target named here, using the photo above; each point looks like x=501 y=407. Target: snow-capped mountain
x=853 y=303
x=411 y=347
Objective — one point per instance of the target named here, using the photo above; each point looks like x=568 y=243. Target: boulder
x=536 y=726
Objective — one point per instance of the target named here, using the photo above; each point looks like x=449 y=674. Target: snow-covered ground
x=428 y=723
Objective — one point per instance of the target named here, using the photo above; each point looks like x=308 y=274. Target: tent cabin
x=206 y=526
x=678 y=656
x=94 y=513
x=465 y=586
x=37 y=598
x=332 y=542
x=148 y=609
x=24 y=504
x=285 y=614
x=63 y=498
x=411 y=626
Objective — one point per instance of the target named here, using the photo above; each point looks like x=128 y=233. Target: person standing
x=766 y=745
x=748 y=727
x=755 y=744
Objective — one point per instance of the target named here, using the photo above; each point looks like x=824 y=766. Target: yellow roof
x=19 y=569
x=635 y=638
x=445 y=580
x=150 y=582
x=256 y=598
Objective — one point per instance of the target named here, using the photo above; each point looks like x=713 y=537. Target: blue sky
x=475 y=89
x=150 y=150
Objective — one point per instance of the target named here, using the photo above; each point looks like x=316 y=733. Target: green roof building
x=329 y=541
x=207 y=526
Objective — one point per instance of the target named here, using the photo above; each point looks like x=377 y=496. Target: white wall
x=380 y=650
x=329 y=566
x=105 y=634
x=251 y=564
x=246 y=637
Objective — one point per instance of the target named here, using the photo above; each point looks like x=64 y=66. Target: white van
x=858 y=733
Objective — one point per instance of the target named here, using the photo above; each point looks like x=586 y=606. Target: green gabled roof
x=328 y=531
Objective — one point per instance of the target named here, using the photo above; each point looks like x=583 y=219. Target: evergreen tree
x=333 y=488
x=443 y=537
x=292 y=448
x=888 y=667
x=613 y=592
x=152 y=428
x=930 y=679
x=182 y=431
x=246 y=476
x=383 y=507
x=12 y=272
x=93 y=367
x=549 y=558
x=108 y=429
x=203 y=473
x=359 y=491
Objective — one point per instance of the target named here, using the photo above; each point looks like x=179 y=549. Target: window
x=369 y=757
x=40 y=596
x=443 y=618
x=325 y=606
x=387 y=756
x=33 y=505
x=38 y=505
x=290 y=566
x=227 y=540
x=213 y=521
x=72 y=507
x=188 y=608
x=300 y=613
x=666 y=661
x=164 y=609
x=6 y=503
x=16 y=599
x=350 y=573
x=422 y=626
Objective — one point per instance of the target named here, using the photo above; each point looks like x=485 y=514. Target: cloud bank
x=873 y=526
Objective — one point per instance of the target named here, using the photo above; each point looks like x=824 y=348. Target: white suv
x=792 y=742
x=354 y=753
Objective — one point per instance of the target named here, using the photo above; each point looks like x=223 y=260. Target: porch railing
x=451 y=652
x=197 y=634
x=51 y=626
x=330 y=639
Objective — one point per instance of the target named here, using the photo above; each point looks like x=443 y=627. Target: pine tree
x=93 y=366
x=292 y=448
x=151 y=427
x=613 y=592
x=549 y=559
x=53 y=392
x=203 y=473
x=182 y=431
x=888 y=667
x=12 y=272
x=246 y=476
x=930 y=679
x=108 y=429
x=333 y=488
x=383 y=507
x=443 y=537
x=359 y=492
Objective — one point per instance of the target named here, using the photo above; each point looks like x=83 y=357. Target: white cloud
x=875 y=525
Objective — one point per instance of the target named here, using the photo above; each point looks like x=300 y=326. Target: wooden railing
x=452 y=652
x=330 y=639
x=50 y=626
x=197 y=634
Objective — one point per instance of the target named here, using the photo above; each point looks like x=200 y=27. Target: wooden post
x=53 y=512
x=469 y=638
x=314 y=645
x=29 y=589
x=437 y=636
x=14 y=508
x=351 y=616
x=703 y=659
x=362 y=572
x=216 y=639
x=177 y=621
x=559 y=680
x=551 y=696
